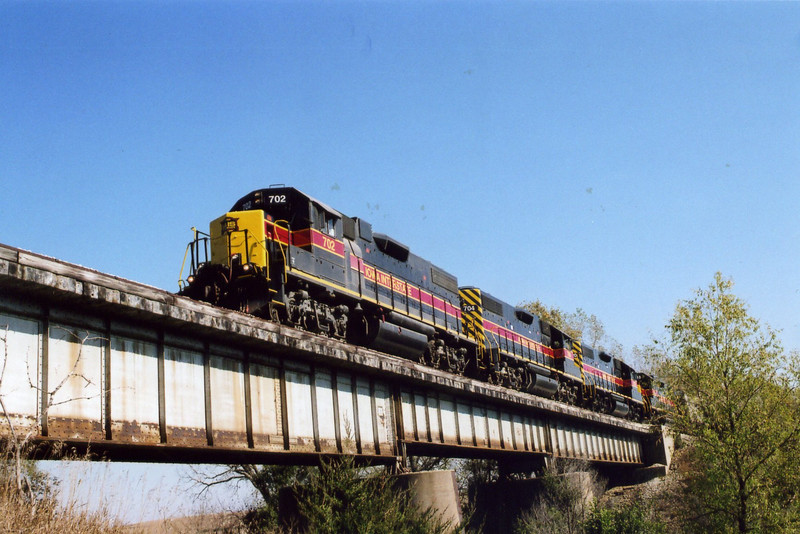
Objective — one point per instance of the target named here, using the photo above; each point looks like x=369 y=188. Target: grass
x=34 y=502
x=43 y=514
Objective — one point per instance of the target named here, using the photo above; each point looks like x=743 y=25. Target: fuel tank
x=542 y=385
x=620 y=407
x=397 y=334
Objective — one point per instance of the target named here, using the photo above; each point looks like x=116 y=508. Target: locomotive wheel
x=493 y=379
x=457 y=364
x=528 y=380
x=213 y=292
x=274 y=315
x=431 y=358
x=209 y=285
x=248 y=296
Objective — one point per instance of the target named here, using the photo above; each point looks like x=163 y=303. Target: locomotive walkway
x=132 y=372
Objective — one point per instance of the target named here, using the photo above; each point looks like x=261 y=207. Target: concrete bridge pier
x=658 y=446
x=498 y=505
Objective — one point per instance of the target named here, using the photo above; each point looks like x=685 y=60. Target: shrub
x=564 y=503
x=343 y=498
x=628 y=520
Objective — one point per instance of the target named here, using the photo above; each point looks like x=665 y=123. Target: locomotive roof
x=377 y=236
x=293 y=191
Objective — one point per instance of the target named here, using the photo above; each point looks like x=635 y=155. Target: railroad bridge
x=135 y=373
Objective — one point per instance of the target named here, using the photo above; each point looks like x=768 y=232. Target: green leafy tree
x=735 y=393
x=554 y=316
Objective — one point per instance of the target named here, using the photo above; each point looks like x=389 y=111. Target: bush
x=343 y=498
x=564 y=504
x=629 y=520
x=567 y=505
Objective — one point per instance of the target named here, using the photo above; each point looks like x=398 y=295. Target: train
x=287 y=257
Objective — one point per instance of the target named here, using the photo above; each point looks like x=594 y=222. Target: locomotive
x=282 y=255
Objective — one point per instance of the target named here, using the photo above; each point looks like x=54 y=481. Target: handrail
x=183 y=264
x=288 y=243
x=193 y=246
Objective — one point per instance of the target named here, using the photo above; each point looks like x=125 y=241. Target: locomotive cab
x=288 y=208
x=656 y=404
x=254 y=246
x=628 y=385
x=279 y=204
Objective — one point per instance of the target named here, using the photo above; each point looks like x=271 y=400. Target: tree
x=29 y=480
x=736 y=395
x=266 y=479
x=30 y=499
x=579 y=325
x=554 y=316
x=592 y=330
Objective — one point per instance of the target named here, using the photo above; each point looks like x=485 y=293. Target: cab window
x=329 y=225
x=325 y=222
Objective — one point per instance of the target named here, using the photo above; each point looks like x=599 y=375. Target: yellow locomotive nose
x=239 y=234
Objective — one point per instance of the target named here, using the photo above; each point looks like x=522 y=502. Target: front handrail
x=193 y=247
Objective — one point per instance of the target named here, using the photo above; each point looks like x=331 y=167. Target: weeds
x=35 y=508
x=565 y=501
x=568 y=505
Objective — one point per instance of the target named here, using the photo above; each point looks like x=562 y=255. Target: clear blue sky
x=611 y=156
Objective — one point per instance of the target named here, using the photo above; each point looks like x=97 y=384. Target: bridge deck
x=135 y=372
